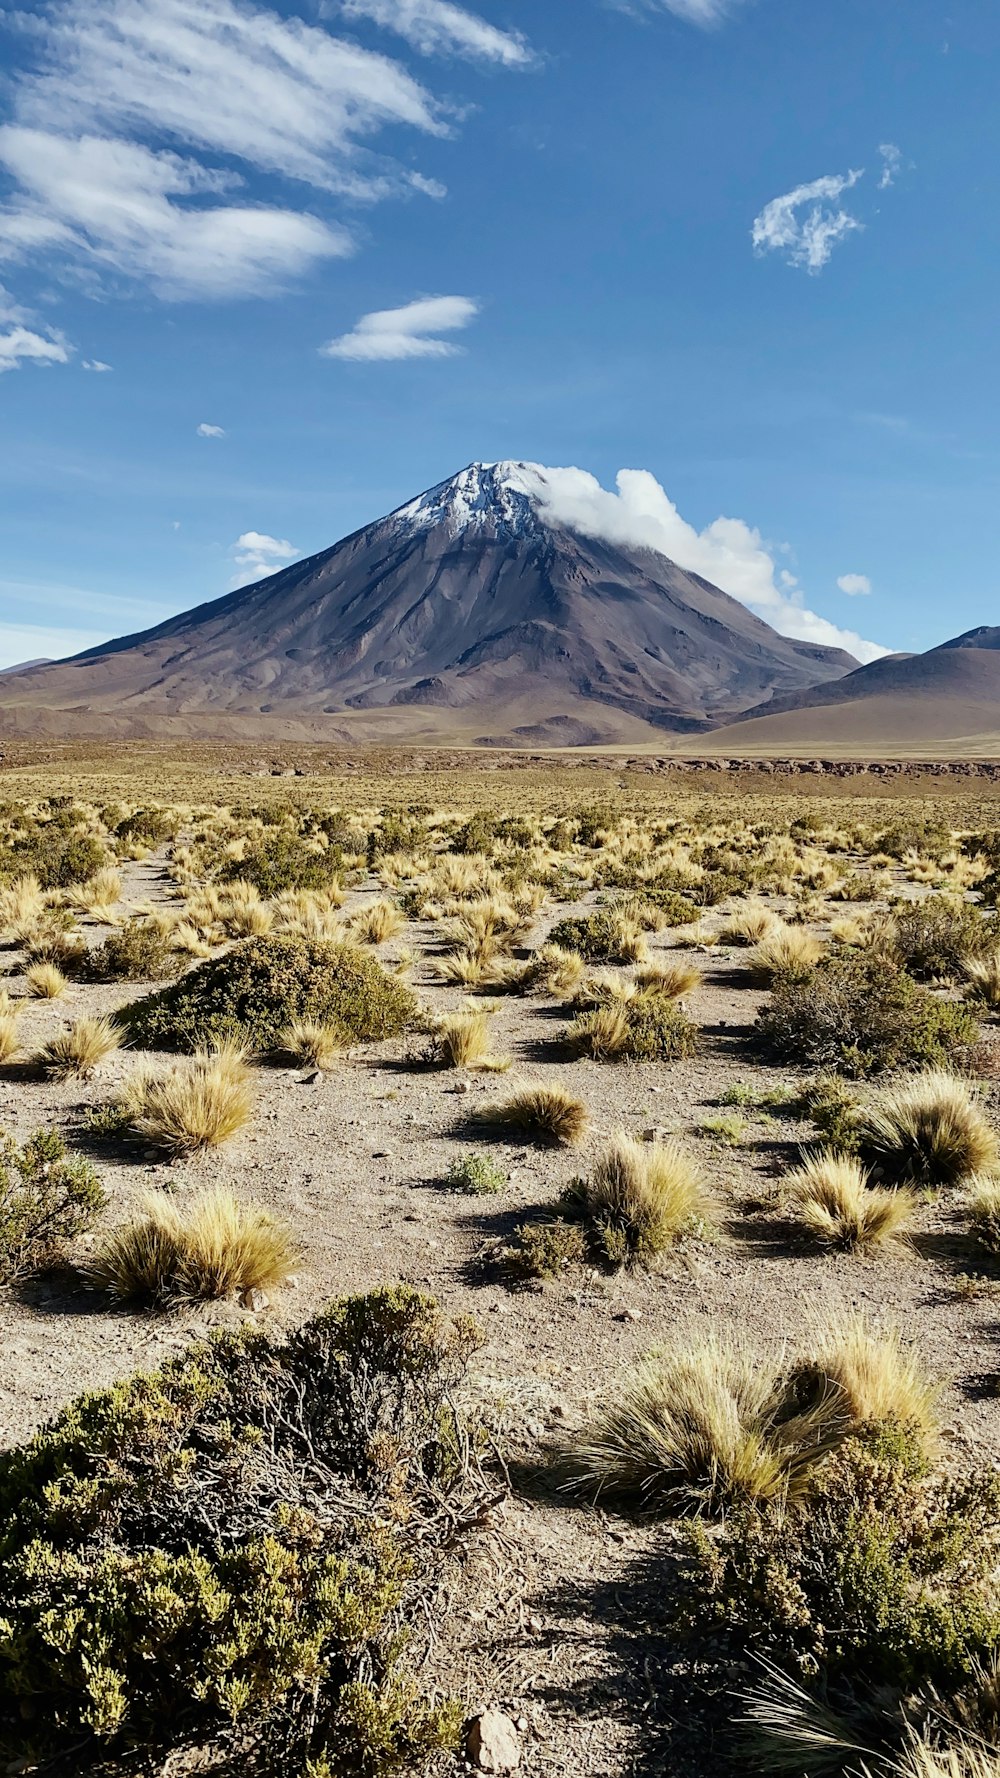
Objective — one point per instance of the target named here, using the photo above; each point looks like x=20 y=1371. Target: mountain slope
x=460 y=615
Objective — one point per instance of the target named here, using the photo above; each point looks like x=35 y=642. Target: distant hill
x=462 y=616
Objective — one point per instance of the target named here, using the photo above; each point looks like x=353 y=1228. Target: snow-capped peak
x=494 y=496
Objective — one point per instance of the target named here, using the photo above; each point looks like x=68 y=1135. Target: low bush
x=221 y=1563
x=139 y=951
x=833 y=1200
x=477 y=1174
x=263 y=985
x=934 y=939
x=929 y=1131
x=213 y=1247
x=545 y=1248
x=605 y=937
x=858 y=1014
x=281 y=860
x=46 y=1198
x=58 y=857
x=538 y=1114
x=638 y=1199
x=648 y=1027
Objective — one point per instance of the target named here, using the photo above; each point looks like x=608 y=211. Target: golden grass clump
x=308 y=1043
x=963 y=1759
x=876 y=1380
x=214 y=1247
x=983 y=975
x=788 y=951
x=554 y=970
x=640 y=1197
x=45 y=981
x=100 y=894
x=200 y=1102
x=10 y=1042
x=669 y=975
x=547 y=1113
x=376 y=922
x=749 y=924
x=929 y=1131
x=834 y=1202
x=80 y=1048
x=984 y=1212
x=462 y=1040
x=22 y=905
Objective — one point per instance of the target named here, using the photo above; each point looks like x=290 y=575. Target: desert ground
x=559 y=1608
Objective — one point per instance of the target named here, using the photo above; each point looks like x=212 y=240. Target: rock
x=492 y=1744
x=462 y=1086
x=256 y=1300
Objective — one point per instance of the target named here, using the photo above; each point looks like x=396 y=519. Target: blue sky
x=751 y=248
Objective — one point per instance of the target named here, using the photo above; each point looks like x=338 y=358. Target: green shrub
x=545 y=1249
x=877 y=1592
x=46 y=1198
x=674 y=909
x=476 y=1173
x=216 y=1559
x=934 y=938
x=263 y=985
x=651 y=1027
x=600 y=938
x=281 y=860
x=858 y=1014
x=139 y=951
x=398 y=833
x=147 y=827
x=58 y=857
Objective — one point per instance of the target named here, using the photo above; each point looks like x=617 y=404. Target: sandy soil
x=556 y=1617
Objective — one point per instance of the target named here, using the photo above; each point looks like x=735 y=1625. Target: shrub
x=933 y=939
x=553 y=970
x=54 y=854
x=539 y=1114
x=235 y=1547
x=476 y=1173
x=280 y=861
x=649 y=1027
x=638 y=1198
x=870 y=1604
x=545 y=1249
x=606 y=937
x=834 y=1202
x=46 y=1198
x=858 y=1014
x=200 y=1102
x=139 y=951
x=705 y=1428
x=253 y=993
x=80 y=1048
x=929 y=1130
x=214 y=1247
x=147 y=827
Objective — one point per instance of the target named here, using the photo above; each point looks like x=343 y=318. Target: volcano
x=463 y=616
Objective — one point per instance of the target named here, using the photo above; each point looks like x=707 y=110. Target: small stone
x=629 y=1315
x=535 y=1625
x=521 y=1724
x=310 y=1079
x=461 y=1086
x=256 y=1300
x=492 y=1743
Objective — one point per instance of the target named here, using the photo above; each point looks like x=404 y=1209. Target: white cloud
x=257 y=555
x=808 y=223
x=408 y=332
x=892 y=160
x=21 y=345
x=854 y=585
x=95 y=364
x=207 y=431
x=729 y=553
x=437 y=27
x=706 y=13
x=129 y=130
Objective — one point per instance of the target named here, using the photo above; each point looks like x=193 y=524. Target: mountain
x=463 y=615
x=946 y=699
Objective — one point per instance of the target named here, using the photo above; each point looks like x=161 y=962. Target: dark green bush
x=217 y=1560
x=46 y=1197
x=282 y=860
x=398 y=833
x=253 y=992
x=147 y=827
x=932 y=939
x=651 y=1027
x=877 y=1591
x=139 y=951
x=597 y=937
x=545 y=1249
x=672 y=907
x=475 y=835
x=858 y=1014
x=58 y=857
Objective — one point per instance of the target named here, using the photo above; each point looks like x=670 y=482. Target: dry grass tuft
x=640 y=1197
x=307 y=1043
x=80 y=1048
x=22 y=905
x=462 y=1040
x=376 y=922
x=983 y=975
x=791 y=952
x=750 y=924
x=10 y=1041
x=670 y=976
x=875 y=1379
x=834 y=1202
x=198 y=1103
x=964 y=1759
x=540 y=1114
x=45 y=981
x=930 y=1130
x=214 y=1247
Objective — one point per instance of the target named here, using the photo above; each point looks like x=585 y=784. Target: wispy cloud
x=437 y=27
x=728 y=552
x=806 y=224
x=854 y=585
x=257 y=555
x=24 y=341
x=892 y=161
x=207 y=431
x=706 y=13
x=95 y=364
x=132 y=125
x=408 y=332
